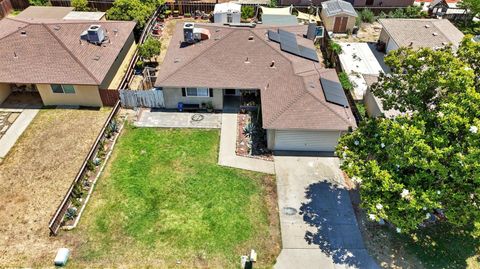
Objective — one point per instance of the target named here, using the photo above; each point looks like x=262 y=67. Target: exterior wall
x=222 y=17
x=371 y=106
x=5 y=91
x=384 y=37
x=173 y=96
x=270 y=139
x=118 y=62
x=85 y=95
x=384 y=3
x=329 y=22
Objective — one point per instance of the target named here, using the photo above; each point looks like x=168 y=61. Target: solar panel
x=273 y=36
x=290 y=47
x=334 y=92
x=308 y=53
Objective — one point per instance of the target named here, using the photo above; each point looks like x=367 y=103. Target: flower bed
x=83 y=189
x=251 y=137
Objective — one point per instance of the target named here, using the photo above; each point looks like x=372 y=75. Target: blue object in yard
x=62 y=257
x=180 y=106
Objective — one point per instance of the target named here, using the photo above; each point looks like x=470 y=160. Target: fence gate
x=149 y=98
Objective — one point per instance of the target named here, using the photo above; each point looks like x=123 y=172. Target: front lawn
x=164 y=201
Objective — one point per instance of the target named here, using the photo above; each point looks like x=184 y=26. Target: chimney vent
x=23 y=33
x=250 y=38
x=272 y=65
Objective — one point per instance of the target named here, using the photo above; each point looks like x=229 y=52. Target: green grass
x=163 y=198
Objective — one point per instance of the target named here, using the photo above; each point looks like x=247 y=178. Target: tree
x=469 y=52
x=80 y=5
x=472 y=5
x=426 y=162
x=247 y=12
x=39 y=2
x=150 y=48
x=366 y=15
x=127 y=10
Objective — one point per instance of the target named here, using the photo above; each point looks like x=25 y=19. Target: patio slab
x=167 y=119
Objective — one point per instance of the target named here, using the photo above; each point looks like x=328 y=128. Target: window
x=57 y=88
x=200 y=92
x=229 y=18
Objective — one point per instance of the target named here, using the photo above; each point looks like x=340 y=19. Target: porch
x=236 y=100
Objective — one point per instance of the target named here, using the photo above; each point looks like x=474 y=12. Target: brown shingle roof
x=422 y=32
x=292 y=96
x=51 y=51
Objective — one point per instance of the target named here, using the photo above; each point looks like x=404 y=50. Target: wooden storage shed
x=338 y=16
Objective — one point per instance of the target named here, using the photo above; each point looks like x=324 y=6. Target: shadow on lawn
x=336 y=232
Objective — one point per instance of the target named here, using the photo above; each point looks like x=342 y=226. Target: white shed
x=227 y=13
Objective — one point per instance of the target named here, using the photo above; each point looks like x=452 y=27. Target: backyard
x=163 y=201
x=35 y=176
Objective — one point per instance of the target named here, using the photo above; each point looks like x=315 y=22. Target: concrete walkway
x=227 y=155
x=16 y=129
x=171 y=119
x=318 y=224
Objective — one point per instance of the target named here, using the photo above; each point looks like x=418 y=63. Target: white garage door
x=306 y=140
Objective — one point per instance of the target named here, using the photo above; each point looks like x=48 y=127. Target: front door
x=230 y=92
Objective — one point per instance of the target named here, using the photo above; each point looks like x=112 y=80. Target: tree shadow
x=335 y=230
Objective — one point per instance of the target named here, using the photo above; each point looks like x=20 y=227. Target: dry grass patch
x=35 y=176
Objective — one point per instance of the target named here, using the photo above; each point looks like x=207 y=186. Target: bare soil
x=368 y=32
x=35 y=176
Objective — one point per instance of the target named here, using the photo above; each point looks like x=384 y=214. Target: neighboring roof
x=39 y=12
x=292 y=96
x=83 y=15
x=418 y=33
x=227 y=7
x=277 y=10
x=279 y=20
x=307 y=17
x=50 y=51
x=359 y=58
x=336 y=7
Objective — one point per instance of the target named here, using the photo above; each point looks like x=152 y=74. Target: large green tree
x=150 y=48
x=127 y=10
x=428 y=160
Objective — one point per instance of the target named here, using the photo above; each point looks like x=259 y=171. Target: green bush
x=345 y=81
x=248 y=12
x=366 y=15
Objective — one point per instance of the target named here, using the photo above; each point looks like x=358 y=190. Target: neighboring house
x=61 y=60
x=227 y=13
x=293 y=86
x=355 y=3
x=419 y=33
x=280 y=16
x=338 y=16
x=373 y=104
x=59 y=13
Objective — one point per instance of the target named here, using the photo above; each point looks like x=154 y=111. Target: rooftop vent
x=56 y=27
x=23 y=33
x=250 y=38
x=96 y=58
x=95 y=34
x=272 y=65
x=434 y=33
x=427 y=26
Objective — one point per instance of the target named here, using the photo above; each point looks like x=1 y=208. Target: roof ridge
x=71 y=54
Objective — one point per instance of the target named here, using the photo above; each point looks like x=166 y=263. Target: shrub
x=345 y=81
x=367 y=15
x=150 y=48
x=335 y=47
x=80 y=5
x=247 y=12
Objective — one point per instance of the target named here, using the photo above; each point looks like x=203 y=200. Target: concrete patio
x=167 y=119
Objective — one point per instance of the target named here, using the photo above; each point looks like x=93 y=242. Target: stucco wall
x=85 y=95
x=371 y=106
x=5 y=91
x=118 y=62
x=222 y=17
x=329 y=22
x=270 y=139
x=174 y=95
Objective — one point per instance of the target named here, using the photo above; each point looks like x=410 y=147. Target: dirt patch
x=367 y=32
x=35 y=176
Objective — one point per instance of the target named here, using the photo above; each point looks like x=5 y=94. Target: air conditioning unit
x=188 y=32
x=94 y=34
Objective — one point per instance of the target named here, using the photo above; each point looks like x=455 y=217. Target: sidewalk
x=16 y=129
x=227 y=155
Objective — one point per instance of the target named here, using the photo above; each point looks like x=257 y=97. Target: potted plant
x=161 y=18
x=187 y=15
x=168 y=13
x=175 y=13
x=209 y=106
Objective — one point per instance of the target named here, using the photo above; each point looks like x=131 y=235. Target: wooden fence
x=100 y=5
x=5 y=8
x=109 y=97
x=20 y=4
x=57 y=219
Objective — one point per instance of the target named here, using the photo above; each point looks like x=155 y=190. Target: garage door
x=306 y=140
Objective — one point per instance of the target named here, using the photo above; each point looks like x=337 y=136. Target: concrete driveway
x=171 y=119
x=319 y=228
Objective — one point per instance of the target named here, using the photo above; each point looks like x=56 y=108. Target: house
x=227 y=13
x=278 y=16
x=58 y=13
x=418 y=33
x=66 y=62
x=338 y=16
x=303 y=105
x=355 y=3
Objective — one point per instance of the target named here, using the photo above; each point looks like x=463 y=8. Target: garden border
x=56 y=220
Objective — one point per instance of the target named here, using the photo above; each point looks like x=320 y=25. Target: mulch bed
x=243 y=141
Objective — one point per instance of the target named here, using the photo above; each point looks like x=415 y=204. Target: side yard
x=163 y=201
x=35 y=176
